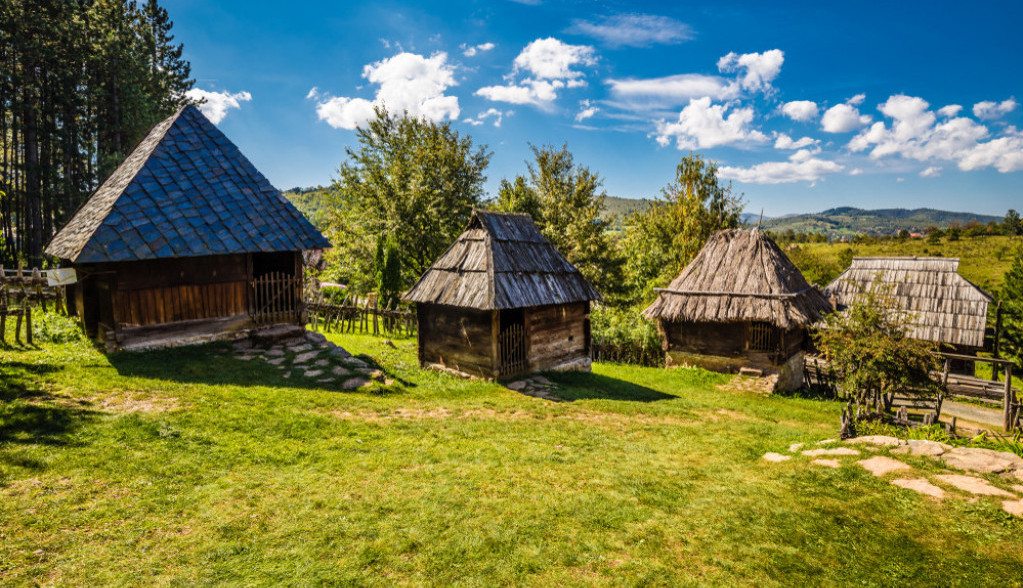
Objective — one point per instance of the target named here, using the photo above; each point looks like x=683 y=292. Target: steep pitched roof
x=946 y=307
x=185 y=191
x=740 y=275
x=501 y=261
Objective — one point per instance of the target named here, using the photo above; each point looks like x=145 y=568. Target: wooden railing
x=351 y=317
x=24 y=287
x=511 y=346
x=276 y=298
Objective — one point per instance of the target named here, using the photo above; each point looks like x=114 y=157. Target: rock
x=315 y=338
x=927 y=447
x=306 y=357
x=1013 y=507
x=826 y=441
x=301 y=348
x=275 y=352
x=776 y=457
x=277 y=361
x=831 y=463
x=324 y=381
x=880 y=465
x=353 y=383
x=835 y=451
x=920 y=486
x=339 y=352
x=389 y=343
x=242 y=344
x=245 y=357
x=1019 y=474
x=287 y=376
x=339 y=371
x=879 y=440
x=517 y=386
x=542 y=381
x=973 y=485
x=753 y=372
x=312 y=373
x=984 y=461
x=1017 y=488
x=796 y=447
x=322 y=363
x=355 y=362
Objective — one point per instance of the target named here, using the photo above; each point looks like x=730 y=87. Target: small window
x=763 y=337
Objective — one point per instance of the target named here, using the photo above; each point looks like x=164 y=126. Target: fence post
x=1008 y=400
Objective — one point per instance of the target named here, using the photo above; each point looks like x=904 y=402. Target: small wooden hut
x=739 y=304
x=185 y=241
x=946 y=308
x=503 y=301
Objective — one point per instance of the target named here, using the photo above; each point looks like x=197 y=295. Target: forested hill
x=852 y=221
x=312 y=202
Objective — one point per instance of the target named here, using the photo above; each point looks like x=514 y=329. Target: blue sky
x=804 y=105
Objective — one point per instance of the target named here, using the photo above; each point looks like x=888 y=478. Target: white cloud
x=931 y=172
x=482 y=117
x=988 y=110
x=472 y=50
x=671 y=90
x=760 y=68
x=407 y=82
x=950 y=110
x=634 y=30
x=552 y=59
x=216 y=104
x=587 y=111
x=552 y=65
x=783 y=141
x=856 y=172
x=702 y=125
x=843 y=118
x=800 y=110
x=801 y=166
x=915 y=133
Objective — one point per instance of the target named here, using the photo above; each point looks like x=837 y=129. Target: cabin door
x=511 y=343
x=275 y=288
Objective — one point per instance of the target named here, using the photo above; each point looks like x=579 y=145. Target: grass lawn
x=191 y=467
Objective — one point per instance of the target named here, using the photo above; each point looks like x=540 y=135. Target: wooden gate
x=511 y=346
x=276 y=298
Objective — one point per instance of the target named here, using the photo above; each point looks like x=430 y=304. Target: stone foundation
x=790 y=373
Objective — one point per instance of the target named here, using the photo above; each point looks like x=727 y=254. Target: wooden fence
x=631 y=353
x=511 y=346
x=20 y=290
x=351 y=317
x=276 y=298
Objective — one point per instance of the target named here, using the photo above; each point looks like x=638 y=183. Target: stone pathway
x=535 y=386
x=310 y=355
x=1008 y=466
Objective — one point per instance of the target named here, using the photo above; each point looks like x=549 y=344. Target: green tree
x=411 y=178
x=1012 y=311
x=869 y=345
x=662 y=239
x=389 y=283
x=1012 y=224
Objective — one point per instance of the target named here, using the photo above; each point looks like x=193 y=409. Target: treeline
x=80 y=83
x=1011 y=226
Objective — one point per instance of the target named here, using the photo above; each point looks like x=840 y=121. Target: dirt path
x=989 y=417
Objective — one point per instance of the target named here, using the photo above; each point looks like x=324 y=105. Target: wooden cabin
x=503 y=301
x=185 y=242
x=739 y=304
x=946 y=308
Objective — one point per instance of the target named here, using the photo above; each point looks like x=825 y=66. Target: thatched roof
x=740 y=275
x=946 y=307
x=184 y=191
x=501 y=261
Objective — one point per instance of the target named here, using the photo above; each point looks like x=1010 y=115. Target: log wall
x=456 y=338
x=557 y=334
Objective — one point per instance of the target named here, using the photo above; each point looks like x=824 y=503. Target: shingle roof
x=946 y=307
x=185 y=191
x=740 y=275
x=501 y=261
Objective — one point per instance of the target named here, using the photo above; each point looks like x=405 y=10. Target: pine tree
x=1012 y=311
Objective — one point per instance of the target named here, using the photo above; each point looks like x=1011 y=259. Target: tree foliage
x=1011 y=345
x=80 y=83
x=868 y=344
x=410 y=178
x=662 y=239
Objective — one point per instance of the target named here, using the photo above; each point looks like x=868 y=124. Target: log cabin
x=186 y=241
x=740 y=305
x=945 y=307
x=502 y=301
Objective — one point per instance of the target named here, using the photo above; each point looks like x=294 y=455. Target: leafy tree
x=662 y=239
x=868 y=344
x=566 y=201
x=1012 y=224
x=389 y=283
x=1012 y=311
x=410 y=178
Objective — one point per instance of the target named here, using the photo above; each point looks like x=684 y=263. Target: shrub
x=56 y=328
x=623 y=335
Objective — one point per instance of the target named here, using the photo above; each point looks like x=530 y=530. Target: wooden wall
x=727 y=340
x=557 y=334
x=457 y=338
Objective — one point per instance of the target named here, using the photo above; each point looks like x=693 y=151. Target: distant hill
x=850 y=221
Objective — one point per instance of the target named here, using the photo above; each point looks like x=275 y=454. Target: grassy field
x=983 y=260
x=191 y=467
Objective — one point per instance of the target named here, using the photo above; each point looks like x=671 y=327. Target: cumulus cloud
x=407 y=82
x=915 y=133
x=801 y=166
x=843 y=118
x=549 y=65
x=800 y=110
x=670 y=90
x=634 y=30
x=950 y=110
x=783 y=141
x=988 y=110
x=757 y=70
x=472 y=50
x=216 y=104
x=482 y=117
x=587 y=110
x=702 y=125
x=931 y=172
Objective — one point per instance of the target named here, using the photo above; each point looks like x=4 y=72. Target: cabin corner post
x=495 y=348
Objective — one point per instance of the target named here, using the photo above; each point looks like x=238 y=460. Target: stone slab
x=306 y=357
x=835 y=451
x=880 y=465
x=776 y=457
x=984 y=461
x=274 y=352
x=796 y=447
x=353 y=383
x=920 y=486
x=978 y=486
x=879 y=440
x=313 y=373
x=829 y=463
x=1013 y=507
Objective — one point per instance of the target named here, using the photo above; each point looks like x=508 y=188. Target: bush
x=623 y=335
x=56 y=328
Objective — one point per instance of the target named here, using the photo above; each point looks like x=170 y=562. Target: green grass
x=189 y=467
x=983 y=260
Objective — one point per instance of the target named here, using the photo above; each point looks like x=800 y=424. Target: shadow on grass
x=29 y=414
x=581 y=385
